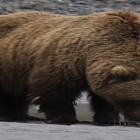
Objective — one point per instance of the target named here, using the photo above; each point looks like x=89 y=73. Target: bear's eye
x=121 y=72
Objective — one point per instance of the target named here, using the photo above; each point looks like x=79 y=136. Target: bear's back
x=21 y=36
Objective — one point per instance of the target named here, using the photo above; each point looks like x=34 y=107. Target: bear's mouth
x=131 y=110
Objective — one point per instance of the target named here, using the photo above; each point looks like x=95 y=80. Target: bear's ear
x=123 y=72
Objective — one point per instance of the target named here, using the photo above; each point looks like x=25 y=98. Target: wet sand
x=42 y=131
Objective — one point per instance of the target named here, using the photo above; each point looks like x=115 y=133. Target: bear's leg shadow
x=12 y=107
x=104 y=112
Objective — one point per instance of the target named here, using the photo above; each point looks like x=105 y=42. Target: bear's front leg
x=64 y=115
x=104 y=111
x=57 y=106
x=54 y=94
x=59 y=113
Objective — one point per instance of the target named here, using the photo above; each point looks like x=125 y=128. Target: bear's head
x=124 y=91
x=119 y=85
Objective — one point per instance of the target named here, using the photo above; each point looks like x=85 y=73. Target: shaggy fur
x=48 y=59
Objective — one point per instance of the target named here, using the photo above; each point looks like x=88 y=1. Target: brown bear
x=48 y=59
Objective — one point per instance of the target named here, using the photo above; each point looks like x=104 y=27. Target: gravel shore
x=68 y=7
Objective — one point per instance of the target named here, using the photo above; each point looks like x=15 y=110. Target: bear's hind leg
x=104 y=111
x=12 y=107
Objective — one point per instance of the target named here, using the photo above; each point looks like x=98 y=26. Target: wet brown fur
x=51 y=58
